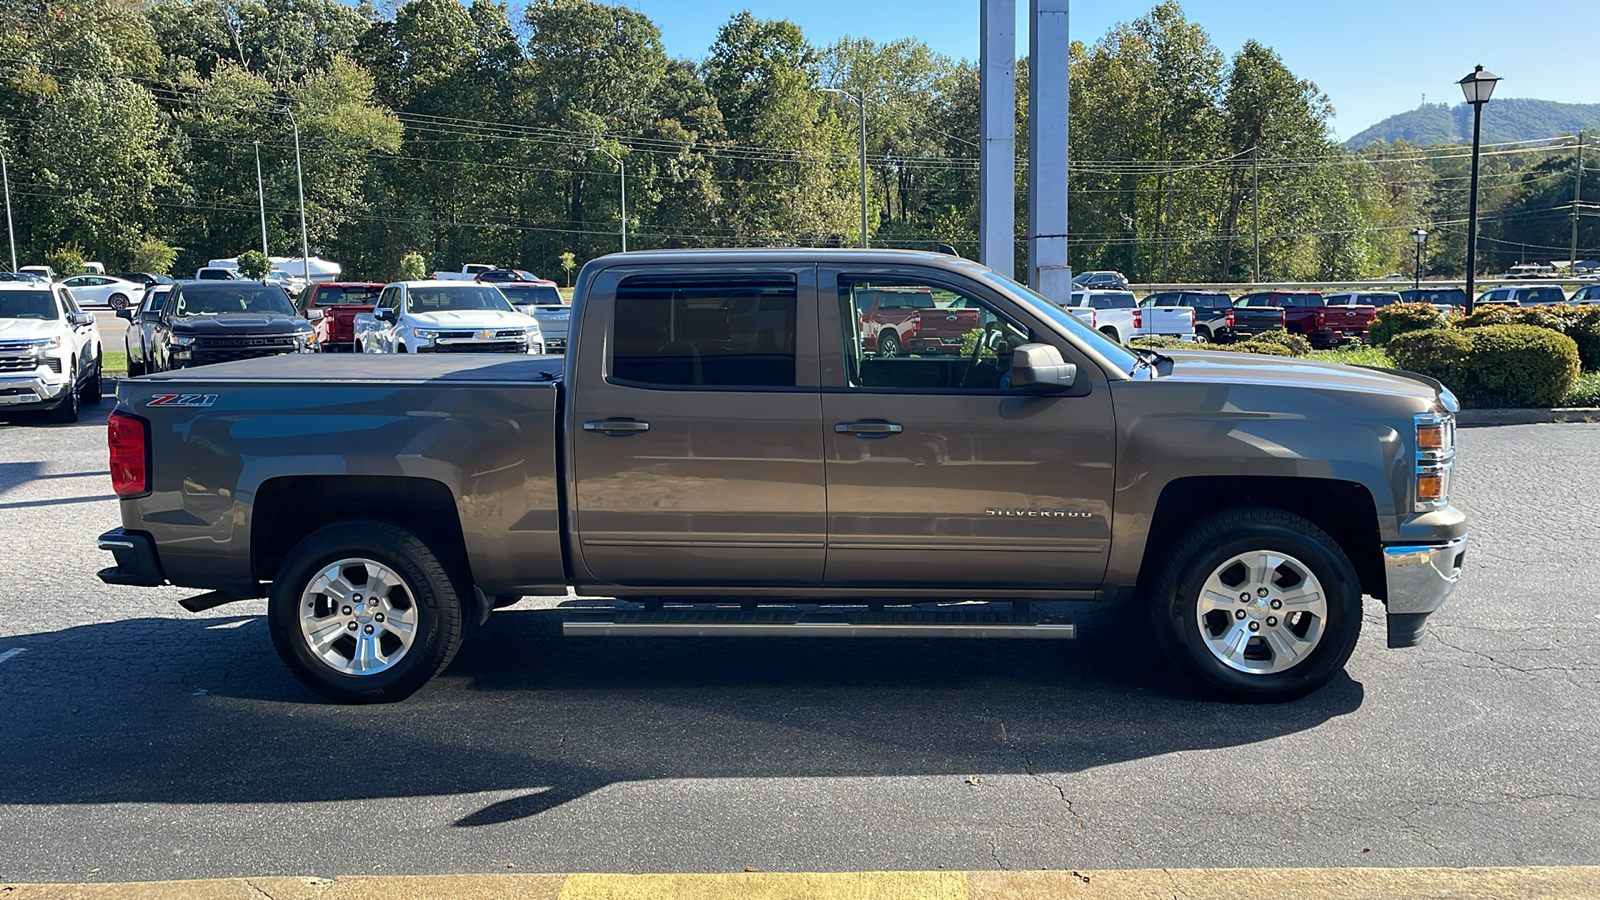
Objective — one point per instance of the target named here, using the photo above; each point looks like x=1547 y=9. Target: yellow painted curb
x=1521 y=883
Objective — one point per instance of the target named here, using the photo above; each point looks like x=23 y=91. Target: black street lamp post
x=1420 y=236
x=1477 y=87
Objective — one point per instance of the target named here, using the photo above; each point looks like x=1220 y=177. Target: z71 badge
x=190 y=400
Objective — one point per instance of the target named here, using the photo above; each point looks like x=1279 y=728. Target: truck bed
x=257 y=443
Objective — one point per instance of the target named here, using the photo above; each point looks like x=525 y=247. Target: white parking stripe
x=10 y=653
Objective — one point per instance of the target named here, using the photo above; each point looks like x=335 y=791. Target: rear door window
x=702 y=332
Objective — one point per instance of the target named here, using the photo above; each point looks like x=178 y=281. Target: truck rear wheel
x=1258 y=605
x=363 y=611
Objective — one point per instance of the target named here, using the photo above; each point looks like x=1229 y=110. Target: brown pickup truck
x=722 y=452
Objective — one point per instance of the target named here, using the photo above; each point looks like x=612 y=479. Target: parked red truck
x=896 y=321
x=1307 y=313
x=332 y=307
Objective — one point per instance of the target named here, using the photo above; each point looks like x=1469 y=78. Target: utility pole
x=1255 y=216
x=300 y=183
x=261 y=198
x=860 y=100
x=1577 y=198
x=8 y=231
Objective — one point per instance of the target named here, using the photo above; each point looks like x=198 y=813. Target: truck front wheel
x=363 y=611
x=1258 y=605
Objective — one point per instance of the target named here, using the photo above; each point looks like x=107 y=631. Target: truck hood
x=241 y=323
x=27 y=329
x=1249 y=368
x=469 y=318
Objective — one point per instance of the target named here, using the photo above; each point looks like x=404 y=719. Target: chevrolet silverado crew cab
x=445 y=317
x=204 y=322
x=50 y=350
x=721 y=452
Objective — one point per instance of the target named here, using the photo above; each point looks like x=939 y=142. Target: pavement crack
x=258 y=889
x=1031 y=770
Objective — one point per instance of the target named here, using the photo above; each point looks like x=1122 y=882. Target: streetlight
x=261 y=198
x=300 y=183
x=622 y=174
x=10 y=234
x=860 y=100
x=1419 y=235
x=1477 y=86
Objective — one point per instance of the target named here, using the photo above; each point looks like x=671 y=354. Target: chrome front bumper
x=1420 y=577
x=23 y=390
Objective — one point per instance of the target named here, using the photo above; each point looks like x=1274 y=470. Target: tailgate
x=944 y=327
x=1177 y=320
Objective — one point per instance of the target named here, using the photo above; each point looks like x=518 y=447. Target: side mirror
x=125 y=313
x=1041 y=367
x=313 y=314
x=79 y=319
x=384 y=314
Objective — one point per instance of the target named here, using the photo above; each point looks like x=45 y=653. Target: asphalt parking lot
x=143 y=742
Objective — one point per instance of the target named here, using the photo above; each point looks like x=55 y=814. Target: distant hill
x=1509 y=119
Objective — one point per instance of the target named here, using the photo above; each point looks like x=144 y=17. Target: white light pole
x=622 y=173
x=860 y=100
x=300 y=182
x=261 y=198
x=10 y=234
x=1477 y=86
x=1420 y=236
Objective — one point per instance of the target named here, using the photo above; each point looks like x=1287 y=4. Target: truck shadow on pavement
x=166 y=710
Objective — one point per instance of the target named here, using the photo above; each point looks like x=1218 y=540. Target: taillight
x=128 y=438
x=1228 y=319
x=1283 y=318
x=1138 y=318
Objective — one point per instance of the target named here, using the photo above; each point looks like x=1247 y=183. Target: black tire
x=89 y=393
x=433 y=594
x=118 y=301
x=1202 y=336
x=1175 y=600
x=888 y=344
x=65 y=412
x=135 y=369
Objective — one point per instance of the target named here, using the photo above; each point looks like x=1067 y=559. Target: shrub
x=1485 y=315
x=1582 y=324
x=1586 y=392
x=254 y=265
x=66 y=259
x=1296 y=344
x=1162 y=342
x=1265 y=348
x=1400 y=318
x=152 y=255
x=1440 y=353
x=1520 y=365
x=412 y=267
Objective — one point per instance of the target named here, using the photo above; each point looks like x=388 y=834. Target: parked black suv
x=221 y=321
x=1213 y=313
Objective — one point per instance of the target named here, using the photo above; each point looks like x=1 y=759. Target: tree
x=568 y=264
x=254 y=265
x=154 y=256
x=412 y=267
x=66 y=259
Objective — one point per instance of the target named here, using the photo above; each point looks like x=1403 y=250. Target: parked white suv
x=50 y=350
x=446 y=317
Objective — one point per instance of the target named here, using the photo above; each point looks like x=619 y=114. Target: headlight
x=426 y=334
x=534 y=333
x=1436 y=451
x=49 y=343
x=180 y=340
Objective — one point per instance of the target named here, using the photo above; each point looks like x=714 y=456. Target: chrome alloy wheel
x=358 y=616
x=1262 y=612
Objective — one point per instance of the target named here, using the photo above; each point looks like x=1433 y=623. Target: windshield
x=1112 y=301
x=157 y=297
x=27 y=305
x=347 y=296
x=221 y=300
x=1208 y=301
x=542 y=294
x=464 y=297
x=1114 y=353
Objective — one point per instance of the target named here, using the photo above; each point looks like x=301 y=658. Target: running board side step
x=831 y=623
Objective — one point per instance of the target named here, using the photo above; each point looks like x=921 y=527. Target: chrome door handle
x=871 y=428
x=617 y=427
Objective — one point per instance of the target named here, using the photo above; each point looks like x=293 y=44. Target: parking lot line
x=1521 y=882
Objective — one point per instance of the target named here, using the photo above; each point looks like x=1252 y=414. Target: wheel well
x=288 y=509
x=1110 y=332
x=1344 y=509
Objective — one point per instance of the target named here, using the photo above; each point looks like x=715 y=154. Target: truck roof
x=829 y=255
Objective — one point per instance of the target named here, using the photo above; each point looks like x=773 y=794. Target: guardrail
x=1381 y=284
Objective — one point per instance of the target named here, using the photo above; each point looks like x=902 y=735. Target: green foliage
x=412 y=267
x=1513 y=119
x=1355 y=355
x=1296 y=344
x=254 y=265
x=1493 y=365
x=155 y=256
x=1581 y=323
x=66 y=259
x=1164 y=342
x=969 y=343
x=1586 y=392
x=1399 y=318
x=568 y=264
x=1264 y=348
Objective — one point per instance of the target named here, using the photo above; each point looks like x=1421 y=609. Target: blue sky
x=1372 y=58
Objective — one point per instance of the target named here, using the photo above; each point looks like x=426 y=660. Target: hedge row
x=1493 y=365
x=1581 y=323
x=1272 y=343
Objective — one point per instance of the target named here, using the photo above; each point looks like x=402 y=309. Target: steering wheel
x=991 y=330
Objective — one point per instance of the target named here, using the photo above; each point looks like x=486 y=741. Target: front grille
x=208 y=350
x=456 y=335
x=15 y=346
x=23 y=364
x=555 y=345
x=483 y=347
